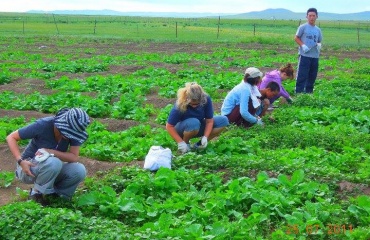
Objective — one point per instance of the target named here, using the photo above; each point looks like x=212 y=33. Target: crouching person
x=49 y=161
x=192 y=116
x=271 y=91
x=241 y=103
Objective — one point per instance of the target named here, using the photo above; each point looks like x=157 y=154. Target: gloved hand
x=318 y=46
x=289 y=100
x=259 y=122
x=305 y=48
x=204 y=142
x=183 y=147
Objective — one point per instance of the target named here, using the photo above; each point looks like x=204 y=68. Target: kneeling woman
x=242 y=101
x=192 y=116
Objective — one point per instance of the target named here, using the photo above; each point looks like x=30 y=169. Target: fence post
x=95 y=26
x=23 y=26
x=218 y=28
x=176 y=29
x=254 y=29
x=55 y=24
x=358 y=35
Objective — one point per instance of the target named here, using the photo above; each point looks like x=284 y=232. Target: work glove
x=204 y=142
x=305 y=48
x=318 y=46
x=183 y=147
x=289 y=100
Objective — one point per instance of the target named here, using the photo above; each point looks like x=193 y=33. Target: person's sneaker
x=37 y=197
x=53 y=195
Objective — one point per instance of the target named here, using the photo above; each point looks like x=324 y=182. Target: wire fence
x=179 y=29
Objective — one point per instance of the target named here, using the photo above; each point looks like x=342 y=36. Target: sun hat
x=72 y=123
x=253 y=72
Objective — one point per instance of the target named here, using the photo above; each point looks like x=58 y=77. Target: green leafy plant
x=6 y=179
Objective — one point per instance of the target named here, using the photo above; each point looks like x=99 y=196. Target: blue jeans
x=306 y=74
x=193 y=124
x=52 y=175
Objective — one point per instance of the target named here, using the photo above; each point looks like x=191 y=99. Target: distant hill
x=278 y=13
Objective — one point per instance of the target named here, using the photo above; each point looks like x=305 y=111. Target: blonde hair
x=191 y=91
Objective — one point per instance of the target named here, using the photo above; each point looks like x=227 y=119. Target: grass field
x=336 y=33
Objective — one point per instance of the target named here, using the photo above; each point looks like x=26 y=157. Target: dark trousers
x=236 y=118
x=306 y=74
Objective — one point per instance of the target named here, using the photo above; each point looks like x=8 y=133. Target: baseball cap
x=253 y=72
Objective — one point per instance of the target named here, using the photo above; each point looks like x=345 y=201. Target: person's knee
x=224 y=122
x=192 y=124
x=221 y=122
x=80 y=171
x=52 y=164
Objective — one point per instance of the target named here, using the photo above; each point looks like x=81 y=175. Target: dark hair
x=288 y=70
x=273 y=86
x=312 y=10
x=251 y=81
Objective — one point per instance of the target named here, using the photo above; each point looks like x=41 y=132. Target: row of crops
x=282 y=181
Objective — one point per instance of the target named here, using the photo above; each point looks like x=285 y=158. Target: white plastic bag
x=158 y=157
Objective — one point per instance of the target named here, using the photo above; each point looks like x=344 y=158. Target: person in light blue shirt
x=241 y=102
x=192 y=116
x=308 y=37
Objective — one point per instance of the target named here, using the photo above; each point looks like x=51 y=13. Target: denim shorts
x=193 y=124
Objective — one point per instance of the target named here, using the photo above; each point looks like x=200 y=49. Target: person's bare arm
x=209 y=127
x=172 y=131
x=71 y=156
x=298 y=40
x=12 y=140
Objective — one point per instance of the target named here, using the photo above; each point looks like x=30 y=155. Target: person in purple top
x=192 y=116
x=278 y=76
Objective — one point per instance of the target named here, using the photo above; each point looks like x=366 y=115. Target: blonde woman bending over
x=192 y=116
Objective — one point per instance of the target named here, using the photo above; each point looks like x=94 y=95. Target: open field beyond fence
x=336 y=33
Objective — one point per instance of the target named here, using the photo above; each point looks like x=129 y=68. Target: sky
x=198 y=6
